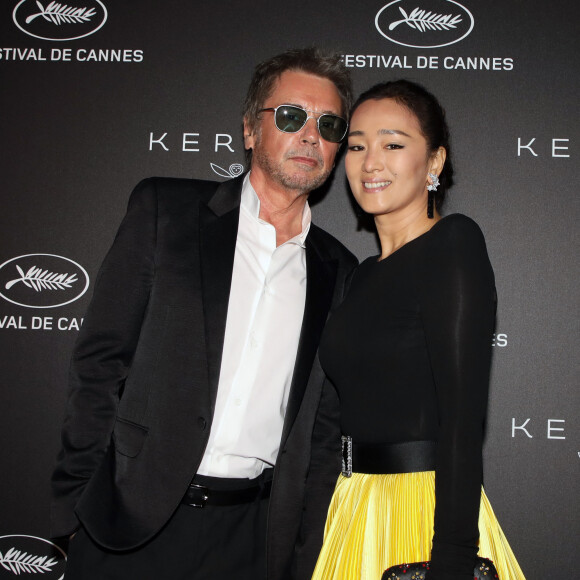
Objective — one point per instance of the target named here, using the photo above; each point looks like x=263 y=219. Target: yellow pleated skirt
x=378 y=521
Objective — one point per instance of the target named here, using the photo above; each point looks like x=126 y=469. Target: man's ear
x=249 y=135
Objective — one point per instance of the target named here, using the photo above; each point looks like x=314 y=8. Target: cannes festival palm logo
x=422 y=20
x=39 y=279
x=42 y=281
x=59 y=14
x=19 y=562
x=424 y=23
x=22 y=555
x=57 y=21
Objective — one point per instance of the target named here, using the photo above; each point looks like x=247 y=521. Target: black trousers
x=209 y=543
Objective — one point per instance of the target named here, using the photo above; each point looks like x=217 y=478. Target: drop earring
x=431 y=189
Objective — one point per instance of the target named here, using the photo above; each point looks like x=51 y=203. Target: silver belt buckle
x=204 y=497
x=346 y=455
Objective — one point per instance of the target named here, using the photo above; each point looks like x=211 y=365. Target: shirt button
x=202 y=423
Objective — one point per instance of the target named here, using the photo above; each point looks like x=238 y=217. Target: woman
x=409 y=353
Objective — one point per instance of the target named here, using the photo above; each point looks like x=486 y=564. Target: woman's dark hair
x=430 y=115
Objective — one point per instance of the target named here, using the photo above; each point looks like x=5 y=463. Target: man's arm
x=103 y=354
x=323 y=471
x=325 y=461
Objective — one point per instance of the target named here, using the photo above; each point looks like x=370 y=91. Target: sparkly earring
x=431 y=189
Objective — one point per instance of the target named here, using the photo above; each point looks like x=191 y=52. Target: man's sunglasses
x=290 y=119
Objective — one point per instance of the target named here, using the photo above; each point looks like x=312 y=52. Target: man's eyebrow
x=325 y=112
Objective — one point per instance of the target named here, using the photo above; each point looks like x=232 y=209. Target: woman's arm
x=458 y=312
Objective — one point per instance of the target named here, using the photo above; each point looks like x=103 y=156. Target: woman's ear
x=438 y=161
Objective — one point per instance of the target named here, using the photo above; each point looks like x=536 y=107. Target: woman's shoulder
x=457 y=238
x=458 y=225
x=456 y=257
x=457 y=232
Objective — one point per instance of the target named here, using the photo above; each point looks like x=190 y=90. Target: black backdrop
x=150 y=88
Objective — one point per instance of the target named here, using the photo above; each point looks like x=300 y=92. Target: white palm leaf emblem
x=62 y=13
x=39 y=279
x=422 y=20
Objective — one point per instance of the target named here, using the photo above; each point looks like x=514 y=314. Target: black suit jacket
x=145 y=369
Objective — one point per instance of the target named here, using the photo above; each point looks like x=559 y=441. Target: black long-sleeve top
x=409 y=352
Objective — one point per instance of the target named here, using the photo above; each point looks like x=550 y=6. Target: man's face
x=294 y=162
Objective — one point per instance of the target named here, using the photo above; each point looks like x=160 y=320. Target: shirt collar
x=250 y=203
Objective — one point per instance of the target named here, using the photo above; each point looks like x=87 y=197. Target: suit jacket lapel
x=321 y=277
x=218 y=232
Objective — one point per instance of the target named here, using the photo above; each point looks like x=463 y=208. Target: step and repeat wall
x=98 y=94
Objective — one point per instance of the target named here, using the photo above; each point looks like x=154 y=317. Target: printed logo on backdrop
x=28 y=555
x=424 y=23
x=427 y=24
x=528 y=430
x=234 y=170
x=59 y=22
x=42 y=281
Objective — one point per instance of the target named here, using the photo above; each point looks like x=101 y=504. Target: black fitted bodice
x=409 y=352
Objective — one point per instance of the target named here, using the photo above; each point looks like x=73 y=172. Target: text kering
x=558 y=148
x=188 y=142
x=554 y=428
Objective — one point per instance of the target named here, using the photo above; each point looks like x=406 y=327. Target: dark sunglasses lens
x=332 y=128
x=290 y=119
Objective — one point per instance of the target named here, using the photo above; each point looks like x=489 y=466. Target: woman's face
x=387 y=159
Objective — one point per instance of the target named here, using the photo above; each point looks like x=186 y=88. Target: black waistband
x=201 y=495
x=224 y=491
x=406 y=457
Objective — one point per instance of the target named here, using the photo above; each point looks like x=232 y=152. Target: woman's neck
x=396 y=230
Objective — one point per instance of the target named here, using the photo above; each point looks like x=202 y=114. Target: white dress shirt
x=265 y=312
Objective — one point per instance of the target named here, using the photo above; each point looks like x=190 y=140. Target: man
x=195 y=389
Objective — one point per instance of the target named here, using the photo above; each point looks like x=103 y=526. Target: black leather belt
x=376 y=458
x=200 y=495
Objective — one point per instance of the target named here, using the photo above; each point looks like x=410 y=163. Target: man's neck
x=280 y=207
